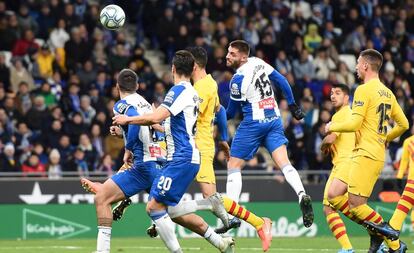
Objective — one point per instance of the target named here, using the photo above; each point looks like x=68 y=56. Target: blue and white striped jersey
x=182 y=101
x=140 y=140
x=251 y=87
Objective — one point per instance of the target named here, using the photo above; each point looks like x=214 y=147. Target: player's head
x=200 y=56
x=183 y=64
x=127 y=81
x=369 y=60
x=339 y=95
x=237 y=54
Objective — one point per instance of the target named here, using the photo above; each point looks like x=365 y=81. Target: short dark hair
x=373 y=57
x=127 y=80
x=241 y=45
x=343 y=87
x=183 y=61
x=200 y=56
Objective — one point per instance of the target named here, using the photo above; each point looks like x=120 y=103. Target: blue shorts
x=171 y=184
x=138 y=178
x=251 y=134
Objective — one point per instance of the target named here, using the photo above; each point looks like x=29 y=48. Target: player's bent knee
x=235 y=162
x=328 y=210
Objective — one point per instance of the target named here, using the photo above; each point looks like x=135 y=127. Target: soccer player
x=374 y=106
x=406 y=202
x=206 y=88
x=340 y=145
x=252 y=92
x=137 y=143
x=179 y=110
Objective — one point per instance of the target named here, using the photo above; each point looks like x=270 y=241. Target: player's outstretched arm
x=351 y=125
x=232 y=108
x=221 y=121
x=160 y=114
x=281 y=81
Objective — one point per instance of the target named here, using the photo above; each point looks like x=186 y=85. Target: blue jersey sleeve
x=221 y=121
x=236 y=88
x=120 y=107
x=232 y=108
x=133 y=130
x=280 y=81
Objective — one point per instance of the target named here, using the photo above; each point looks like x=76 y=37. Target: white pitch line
x=161 y=248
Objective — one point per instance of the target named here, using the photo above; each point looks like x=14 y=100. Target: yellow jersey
x=209 y=102
x=407 y=159
x=377 y=105
x=344 y=144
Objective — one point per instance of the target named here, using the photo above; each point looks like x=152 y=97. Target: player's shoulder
x=121 y=106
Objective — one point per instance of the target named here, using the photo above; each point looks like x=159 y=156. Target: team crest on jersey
x=235 y=89
x=169 y=98
x=359 y=103
x=121 y=108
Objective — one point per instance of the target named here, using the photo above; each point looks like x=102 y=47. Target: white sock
x=213 y=238
x=166 y=230
x=293 y=178
x=234 y=184
x=103 y=242
x=190 y=206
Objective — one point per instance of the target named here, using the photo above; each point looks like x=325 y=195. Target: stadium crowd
x=58 y=68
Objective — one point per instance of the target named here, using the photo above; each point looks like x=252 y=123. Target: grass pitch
x=141 y=245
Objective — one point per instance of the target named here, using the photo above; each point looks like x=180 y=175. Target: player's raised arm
x=281 y=82
x=398 y=116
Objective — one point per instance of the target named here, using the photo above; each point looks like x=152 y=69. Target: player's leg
x=196 y=224
x=392 y=229
x=109 y=193
x=335 y=223
x=281 y=159
x=245 y=143
x=164 y=225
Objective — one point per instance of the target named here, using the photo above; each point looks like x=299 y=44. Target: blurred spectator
x=78 y=163
x=33 y=165
x=119 y=58
x=344 y=75
x=106 y=165
x=75 y=127
x=25 y=20
x=71 y=102
x=323 y=64
x=4 y=72
x=282 y=63
x=78 y=50
x=65 y=149
x=304 y=68
x=19 y=74
x=86 y=75
x=46 y=92
x=312 y=39
x=45 y=63
x=45 y=21
x=38 y=114
x=8 y=159
x=97 y=140
x=54 y=168
x=39 y=150
x=26 y=45
x=86 y=110
x=53 y=135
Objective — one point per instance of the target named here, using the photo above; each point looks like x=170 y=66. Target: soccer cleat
x=152 y=231
x=384 y=229
x=89 y=186
x=218 y=209
x=228 y=246
x=307 y=210
x=346 y=251
x=383 y=248
x=402 y=249
x=265 y=234
x=119 y=210
x=233 y=223
x=375 y=243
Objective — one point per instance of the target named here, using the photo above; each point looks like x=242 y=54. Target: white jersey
x=182 y=101
x=251 y=85
x=144 y=148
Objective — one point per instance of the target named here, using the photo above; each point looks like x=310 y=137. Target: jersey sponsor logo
x=121 y=108
x=359 y=103
x=169 y=98
x=268 y=103
x=235 y=90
